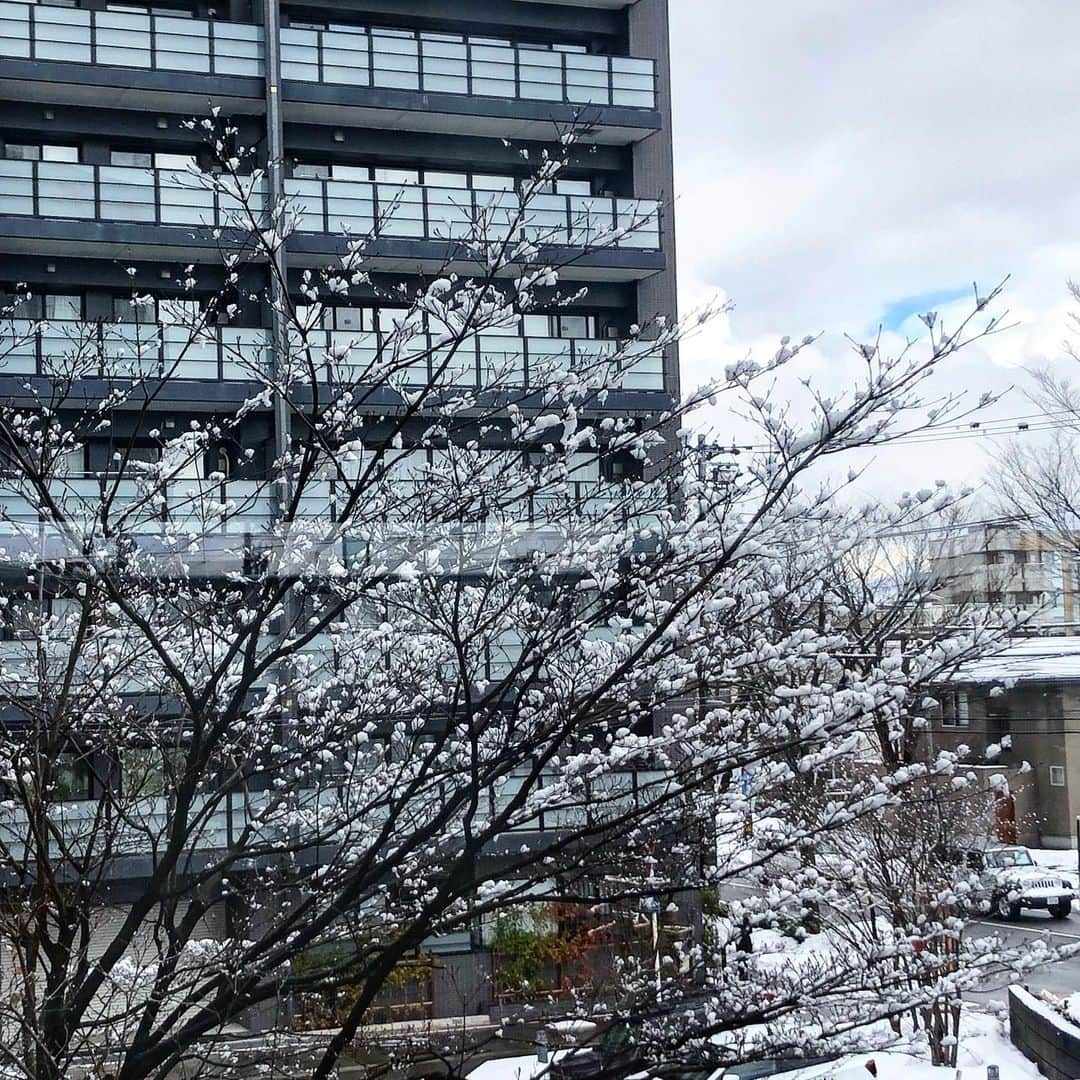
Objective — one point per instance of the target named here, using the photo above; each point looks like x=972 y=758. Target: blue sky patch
x=899 y=311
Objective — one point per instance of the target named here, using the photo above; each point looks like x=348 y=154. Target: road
x=1062 y=977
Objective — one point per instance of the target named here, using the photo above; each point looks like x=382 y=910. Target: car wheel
x=1061 y=910
x=1006 y=909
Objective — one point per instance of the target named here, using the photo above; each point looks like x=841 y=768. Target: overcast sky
x=842 y=164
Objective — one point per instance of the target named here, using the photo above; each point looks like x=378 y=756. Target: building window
x=54 y=306
x=72 y=778
x=1057 y=775
x=955 y=710
x=40 y=152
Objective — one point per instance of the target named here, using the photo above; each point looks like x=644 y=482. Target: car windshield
x=1009 y=857
x=616 y=1038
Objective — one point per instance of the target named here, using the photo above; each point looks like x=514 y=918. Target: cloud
x=842 y=165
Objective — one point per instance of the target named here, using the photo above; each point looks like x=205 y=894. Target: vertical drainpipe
x=273 y=1014
x=275 y=197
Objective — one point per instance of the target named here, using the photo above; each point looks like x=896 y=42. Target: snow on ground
x=984 y=1041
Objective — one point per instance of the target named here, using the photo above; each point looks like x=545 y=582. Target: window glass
x=573 y=326
x=488 y=182
x=62 y=306
x=142 y=772
x=177 y=312
x=30 y=308
x=134 y=158
x=351 y=172
x=397 y=176
x=445 y=179
x=127 y=311
x=179 y=162
x=573 y=187
x=324 y=322
x=352 y=318
x=34 y=152
x=389 y=319
x=537 y=326
x=304 y=171
x=59 y=153
x=72 y=778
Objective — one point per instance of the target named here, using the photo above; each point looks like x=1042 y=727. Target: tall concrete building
x=398 y=118
x=1008 y=565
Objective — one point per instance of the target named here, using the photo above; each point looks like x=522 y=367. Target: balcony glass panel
x=120 y=350
x=446 y=66
x=123 y=39
x=15 y=30
x=238 y=49
x=397 y=61
x=345 y=58
x=405 y=210
x=61 y=34
x=16 y=187
x=65 y=190
x=124 y=193
x=341 y=55
x=182 y=44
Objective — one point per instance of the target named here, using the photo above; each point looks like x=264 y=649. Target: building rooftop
x=1028 y=660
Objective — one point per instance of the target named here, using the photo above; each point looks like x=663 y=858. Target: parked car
x=613 y=1055
x=1011 y=881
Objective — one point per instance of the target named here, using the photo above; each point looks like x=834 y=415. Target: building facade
x=1018 y=713
x=1008 y=565
x=395 y=118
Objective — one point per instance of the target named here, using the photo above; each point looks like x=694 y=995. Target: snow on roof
x=1026 y=660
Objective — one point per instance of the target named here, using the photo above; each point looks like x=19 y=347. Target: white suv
x=1012 y=881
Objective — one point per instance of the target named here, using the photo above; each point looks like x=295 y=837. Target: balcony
x=209 y=525
x=429 y=83
x=117 y=351
x=377 y=78
x=240 y=820
x=164 y=213
x=90 y=57
x=113 y=350
x=430 y=224
x=169 y=214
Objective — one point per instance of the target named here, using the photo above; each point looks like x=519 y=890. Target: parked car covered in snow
x=1011 y=881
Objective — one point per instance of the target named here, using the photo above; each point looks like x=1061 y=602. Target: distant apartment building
x=1009 y=565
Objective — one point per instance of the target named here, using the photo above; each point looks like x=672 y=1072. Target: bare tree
x=472 y=638
x=1038 y=483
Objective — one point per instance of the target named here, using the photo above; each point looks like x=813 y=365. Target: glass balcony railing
x=341 y=56
x=63 y=189
x=118 y=350
x=486 y=360
x=130 y=194
x=433 y=213
x=125 y=350
x=130 y=39
x=356 y=57
x=200 y=507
